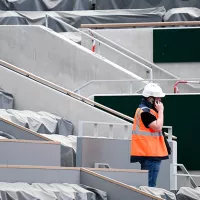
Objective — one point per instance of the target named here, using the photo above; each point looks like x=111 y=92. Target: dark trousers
x=153 y=166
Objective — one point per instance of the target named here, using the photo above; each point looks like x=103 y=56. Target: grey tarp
x=68 y=148
x=22 y=191
x=186 y=193
x=41 y=191
x=76 y=18
x=67 y=191
x=100 y=195
x=50 y=189
x=159 y=192
x=6 y=100
x=141 y=4
x=12 y=18
x=41 y=122
x=46 y=5
x=6 y=135
x=182 y=14
x=83 y=193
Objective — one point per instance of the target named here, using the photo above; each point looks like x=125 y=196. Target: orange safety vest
x=145 y=142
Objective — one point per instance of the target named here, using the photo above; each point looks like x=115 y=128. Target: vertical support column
x=170 y=133
x=173 y=167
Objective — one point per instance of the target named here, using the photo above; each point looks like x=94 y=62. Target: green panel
x=176 y=45
x=177 y=113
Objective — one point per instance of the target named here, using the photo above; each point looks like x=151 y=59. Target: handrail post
x=170 y=133
x=111 y=131
x=173 y=177
x=131 y=87
x=46 y=21
x=126 y=132
x=96 y=130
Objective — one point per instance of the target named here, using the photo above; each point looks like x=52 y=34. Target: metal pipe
x=178 y=82
x=128 y=80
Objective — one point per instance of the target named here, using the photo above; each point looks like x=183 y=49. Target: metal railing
x=131 y=54
x=143 y=24
x=174 y=175
x=63 y=90
x=99 y=42
x=110 y=126
x=111 y=135
x=183 y=82
x=131 y=83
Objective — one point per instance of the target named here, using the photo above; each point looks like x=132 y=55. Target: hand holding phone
x=159 y=106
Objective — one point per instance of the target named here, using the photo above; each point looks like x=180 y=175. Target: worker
x=147 y=143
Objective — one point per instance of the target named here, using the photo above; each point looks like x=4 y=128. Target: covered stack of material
x=35 y=5
x=68 y=148
x=6 y=100
x=186 y=193
x=159 y=192
x=6 y=136
x=182 y=14
x=40 y=122
x=54 y=191
x=76 y=18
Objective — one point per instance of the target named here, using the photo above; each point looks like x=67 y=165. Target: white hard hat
x=153 y=90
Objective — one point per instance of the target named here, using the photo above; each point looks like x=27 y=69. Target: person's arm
x=158 y=124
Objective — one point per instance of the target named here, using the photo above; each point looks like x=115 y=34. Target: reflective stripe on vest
x=138 y=132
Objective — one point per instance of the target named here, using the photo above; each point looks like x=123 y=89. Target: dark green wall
x=180 y=111
x=176 y=45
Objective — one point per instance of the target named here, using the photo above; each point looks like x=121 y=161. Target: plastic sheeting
x=141 y=4
x=40 y=122
x=41 y=191
x=67 y=191
x=44 y=5
x=182 y=14
x=6 y=135
x=22 y=191
x=159 y=192
x=6 y=100
x=68 y=148
x=100 y=195
x=76 y=18
x=83 y=193
x=186 y=193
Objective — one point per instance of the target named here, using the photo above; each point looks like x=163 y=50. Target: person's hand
x=159 y=106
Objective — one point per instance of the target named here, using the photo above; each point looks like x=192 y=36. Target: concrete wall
x=55 y=58
x=19 y=132
x=31 y=95
x=88 y=153
x=31 y=174
x=23 y=152
x=100 y=150
x=130 y=177
x=140 y=41
x=115 y=190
